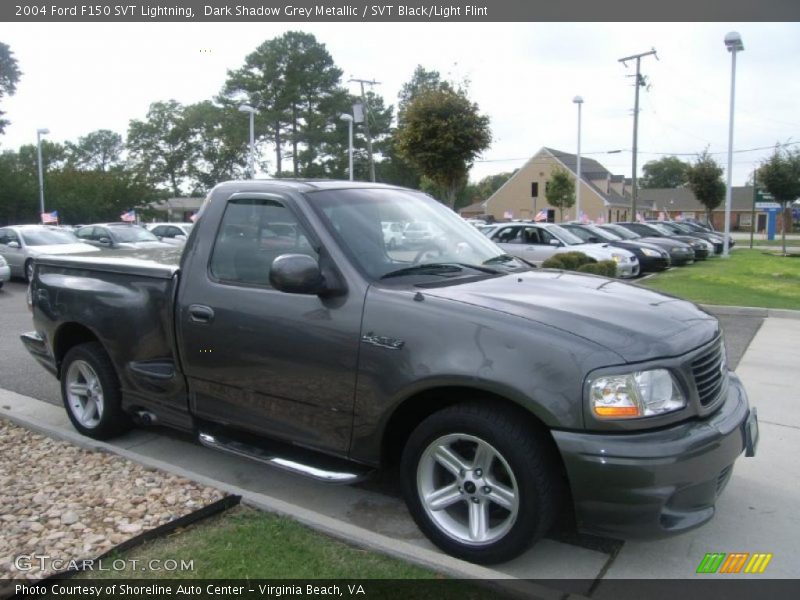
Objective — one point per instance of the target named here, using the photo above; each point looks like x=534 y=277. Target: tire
x=491 y=481
x=91 y=392
x=28 y=270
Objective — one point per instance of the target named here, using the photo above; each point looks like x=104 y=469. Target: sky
x=81 y=77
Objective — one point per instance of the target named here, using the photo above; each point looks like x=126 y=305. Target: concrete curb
x=346 y=532
x=752 y=311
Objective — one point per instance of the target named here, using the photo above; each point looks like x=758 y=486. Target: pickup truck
x=502 y=395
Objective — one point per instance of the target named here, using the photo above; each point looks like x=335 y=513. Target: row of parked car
x=20 y=244
x=636 y=247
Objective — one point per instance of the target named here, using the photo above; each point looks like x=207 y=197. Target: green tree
x=162 y=147
x=421 y=81
x=97 y=151
x=704 y=178
x=560 y=191
x=780 y=175
x=441 y=135
x=19 y=195
x=9 y=76
x=667 y=172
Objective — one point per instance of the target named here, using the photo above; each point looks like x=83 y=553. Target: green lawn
x=245 y=543
x=748 y=278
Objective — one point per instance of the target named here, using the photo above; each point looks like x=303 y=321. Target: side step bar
x=337 y=471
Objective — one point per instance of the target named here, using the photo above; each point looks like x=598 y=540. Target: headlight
x=651 y=253
x=638 y=394
x=618 y=257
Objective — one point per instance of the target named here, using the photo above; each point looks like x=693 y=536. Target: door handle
x=200 y=313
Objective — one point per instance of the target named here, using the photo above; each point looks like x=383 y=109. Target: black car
x=680 y=229
x=651 y=257
x=691 y=225
x=679 y=253
x=652 y=230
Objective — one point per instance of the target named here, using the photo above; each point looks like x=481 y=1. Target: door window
x=509 y=235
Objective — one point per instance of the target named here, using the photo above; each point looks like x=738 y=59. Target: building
x=178 y=209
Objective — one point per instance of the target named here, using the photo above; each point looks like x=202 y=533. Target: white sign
x=766 y=205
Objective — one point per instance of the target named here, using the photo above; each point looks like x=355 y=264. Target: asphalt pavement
x=757 y=512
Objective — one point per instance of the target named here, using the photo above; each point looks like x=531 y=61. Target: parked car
x=651 y=258
x=680 y=229
x=5 y=271
x=20 y=244
x=422 y=233
x=701 y=248
x=171 y=233
x=697 y=227
x=507 y=395
x=536 y=242
x=119 y=235
x=392 y=234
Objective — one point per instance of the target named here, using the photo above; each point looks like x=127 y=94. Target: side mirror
x=105 y=241
x=555 y=243
x=296 y=274
x=594 y=239
x=13 y=244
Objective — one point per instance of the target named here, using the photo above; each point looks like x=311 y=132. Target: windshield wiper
x=500 y=258
x=438 y=268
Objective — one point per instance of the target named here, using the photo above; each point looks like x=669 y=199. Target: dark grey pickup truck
x=291 y=331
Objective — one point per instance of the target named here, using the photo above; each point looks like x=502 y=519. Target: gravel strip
x=70 y=503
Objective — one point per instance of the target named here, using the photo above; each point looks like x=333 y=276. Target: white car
x=5 y=271
x=392 y=234
x=171 y=233
x=422 y=233
x=536 y=242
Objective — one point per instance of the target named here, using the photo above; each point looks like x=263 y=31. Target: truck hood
x=633 y=322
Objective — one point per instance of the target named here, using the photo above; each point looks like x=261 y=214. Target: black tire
x=525 y=450
x=28 y=270
x=111 y=421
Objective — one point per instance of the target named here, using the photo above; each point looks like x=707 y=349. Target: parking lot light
x=39 y=134
x=733 y=41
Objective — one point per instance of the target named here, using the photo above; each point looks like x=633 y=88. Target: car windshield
x=132 y=233
x=47 y=237
x=603 y=234
x=451 y=248
x=570 y=239
x=625 y=234
x=661 y=228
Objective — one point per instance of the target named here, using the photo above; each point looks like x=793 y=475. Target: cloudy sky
x=81 y=77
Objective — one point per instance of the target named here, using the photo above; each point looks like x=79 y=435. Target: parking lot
x=755 y=514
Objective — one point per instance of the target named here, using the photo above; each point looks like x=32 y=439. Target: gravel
x=70 y=503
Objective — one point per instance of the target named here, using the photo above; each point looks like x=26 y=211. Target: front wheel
x=480 y=482
x=91 y=392
x=28 y=270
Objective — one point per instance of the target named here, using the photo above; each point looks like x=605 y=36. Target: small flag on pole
x=193 y=217
x=541 y=216
x=51 y=217
x=600 y=220
x=128 y=217
x=639 y=217
x=662 y=216
x=583 y=218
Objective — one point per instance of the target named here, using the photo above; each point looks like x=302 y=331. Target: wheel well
x=68 y=336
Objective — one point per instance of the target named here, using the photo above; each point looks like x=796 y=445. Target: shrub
x=606 y=268
x=569 y=261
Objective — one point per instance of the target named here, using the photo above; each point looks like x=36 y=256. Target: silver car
x=119 y=235
x=20 y=244
x=5 y=272
x=171 y=233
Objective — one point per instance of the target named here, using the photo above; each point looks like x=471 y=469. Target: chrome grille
x=710 y=375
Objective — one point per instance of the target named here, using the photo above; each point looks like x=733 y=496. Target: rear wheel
x=29 y=270
x=91 y=392
x=480 y=482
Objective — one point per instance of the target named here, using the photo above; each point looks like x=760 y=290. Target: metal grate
x=710 y=375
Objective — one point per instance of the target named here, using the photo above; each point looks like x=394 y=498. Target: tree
x=162 y=147
x=421 y=81
x=667 y=172
x=704 y=178
x=9 y=76
x=780 y=175
x=441 y=135
x=560 y=191
x=97 y=151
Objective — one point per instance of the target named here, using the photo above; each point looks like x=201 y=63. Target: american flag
x=583 y=218
x=639 y=217
x=51 y=217
x=662 y=216
x=600 y=220
x=540 y=216
x=128 y=217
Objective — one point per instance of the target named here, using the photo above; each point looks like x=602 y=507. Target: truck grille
x=710 y=374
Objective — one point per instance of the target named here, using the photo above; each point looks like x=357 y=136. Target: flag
x=193 y=217
x=662 y=216
x=51 y=217
x=583 y=218
x=639 y=217
x=600 y=220
x=679 y=217
x=541 y=216
x=128 y=217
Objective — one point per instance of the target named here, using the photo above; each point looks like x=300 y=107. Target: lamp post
x=252 y=167
x=349 y=119
x=39 y=134
x=579 y=101
x=733 y=41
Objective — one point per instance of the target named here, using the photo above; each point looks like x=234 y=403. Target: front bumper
x=656 y=483
x=650 y=264
x=626 y=270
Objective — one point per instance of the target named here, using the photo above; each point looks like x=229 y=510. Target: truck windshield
x=432 y=234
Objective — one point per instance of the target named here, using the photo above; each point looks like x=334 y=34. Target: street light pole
x=349 y=119
x=252 y=161
x=579 y=101
x=39 y=134
x=733 y=41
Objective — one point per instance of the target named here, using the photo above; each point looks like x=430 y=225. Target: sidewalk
x=757 y=512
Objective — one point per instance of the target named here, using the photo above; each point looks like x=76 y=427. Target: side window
x=4 y=238
x=252 y=235
x=545 y=237
x=84 y=233
x=172 y=231
x=531 y=235
x=508 y=235
x=160 y=231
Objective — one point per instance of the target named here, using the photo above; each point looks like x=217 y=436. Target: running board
x=335 y=471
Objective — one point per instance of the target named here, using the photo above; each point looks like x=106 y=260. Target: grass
x=243 y=543
x=748 y=278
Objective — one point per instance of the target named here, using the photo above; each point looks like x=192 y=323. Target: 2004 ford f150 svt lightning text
x=290 y=332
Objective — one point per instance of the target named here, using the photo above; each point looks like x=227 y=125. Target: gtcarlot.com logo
x=735 y=562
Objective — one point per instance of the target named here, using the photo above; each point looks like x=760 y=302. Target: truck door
x=258 y=359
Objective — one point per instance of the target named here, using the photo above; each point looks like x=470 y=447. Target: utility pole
x=366 y=123
x=638 y=83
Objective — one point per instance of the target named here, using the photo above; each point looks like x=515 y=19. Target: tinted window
x=252 y=235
